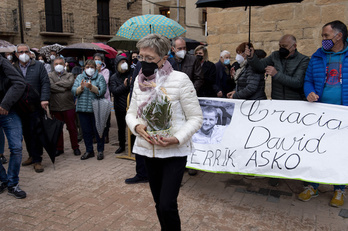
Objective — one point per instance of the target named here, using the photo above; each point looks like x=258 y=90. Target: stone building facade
x=80 y=20
x=227 y=28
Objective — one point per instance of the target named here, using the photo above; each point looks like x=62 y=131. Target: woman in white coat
x=165 y=157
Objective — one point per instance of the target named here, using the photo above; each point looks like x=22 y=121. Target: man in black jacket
x=12 y=86
x=34 y=74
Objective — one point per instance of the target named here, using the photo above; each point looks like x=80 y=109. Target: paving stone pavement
x=91 y=195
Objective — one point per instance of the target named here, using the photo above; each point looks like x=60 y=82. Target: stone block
x=278 y=12
x=267 y=36
x=213 y=39
x=333 y=12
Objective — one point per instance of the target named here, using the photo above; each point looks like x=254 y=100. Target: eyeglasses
x=147 y=59
x=22 y=52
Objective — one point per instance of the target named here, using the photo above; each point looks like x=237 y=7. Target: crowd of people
x=67 y=86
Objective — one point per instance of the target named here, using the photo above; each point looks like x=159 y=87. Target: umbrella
x=47 y=49
x=6 y=46
x=238 y=3
x=101 y=109
x=81 y=49
x=112 y=52
x=122 y=43
x=137 y=27
x=191 y=44
x=49 y=129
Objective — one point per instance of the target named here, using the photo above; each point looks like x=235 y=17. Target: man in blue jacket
x=326 y=81
x=34 y=74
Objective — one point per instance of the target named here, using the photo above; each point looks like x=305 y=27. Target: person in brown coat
x=62 y=103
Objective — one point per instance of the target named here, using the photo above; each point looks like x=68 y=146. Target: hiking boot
x=16 y=192
x=100 y=156
x=3 y=186
x=3 y=159
x=38 y=167
x=29 y=161
x=308 y=193
x=337 y=200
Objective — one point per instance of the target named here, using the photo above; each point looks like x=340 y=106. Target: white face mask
x=59 y=68
x=239 y=58
x=41 y=61
x=24 y=58
x=124 y=66
x=181 y=54
x=90 y=71
x=52 y=57
x=9 y=57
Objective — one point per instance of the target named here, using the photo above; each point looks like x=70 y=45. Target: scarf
x=240 y=70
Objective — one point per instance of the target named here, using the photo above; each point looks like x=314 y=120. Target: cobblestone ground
x=92 y=195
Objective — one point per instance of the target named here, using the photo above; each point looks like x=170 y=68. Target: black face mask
x=135 y=60
x=283 y=52
x=199 y=57
x=148 y=69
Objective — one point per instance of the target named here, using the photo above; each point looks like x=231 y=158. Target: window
x=165 y=12
x=103 y=17
x=53 y=12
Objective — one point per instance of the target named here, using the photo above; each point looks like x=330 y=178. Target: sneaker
x=3 y=186
x=16 y=192
x=136 y=180
x=3 y=159
x=38 y=167
x=308 y=193
x=29 y=161
x=337 y=200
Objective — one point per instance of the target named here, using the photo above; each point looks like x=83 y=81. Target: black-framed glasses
x=22 y=52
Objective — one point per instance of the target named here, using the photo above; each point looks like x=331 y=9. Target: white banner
x=284 y=139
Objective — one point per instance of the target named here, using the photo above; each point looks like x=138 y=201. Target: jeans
x=68 y=117
x=165 y=176
x=2 y=141
x=12 y=126
x=336 y=187
x=87 y=122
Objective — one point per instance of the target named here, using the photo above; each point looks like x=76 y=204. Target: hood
x=119 y=58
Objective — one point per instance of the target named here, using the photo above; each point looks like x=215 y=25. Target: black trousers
x=165 y=176
x=121 y=125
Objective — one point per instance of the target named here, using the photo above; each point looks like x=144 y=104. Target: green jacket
x=84 y=100
x=287 y=84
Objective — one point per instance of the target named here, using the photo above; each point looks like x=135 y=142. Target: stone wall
x=83 y=15
x=228 y=28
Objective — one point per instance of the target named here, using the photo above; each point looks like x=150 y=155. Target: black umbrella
x=81 y=49
x=239 y=3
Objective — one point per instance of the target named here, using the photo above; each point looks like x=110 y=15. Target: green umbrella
x=138 y=27
x=122 y=43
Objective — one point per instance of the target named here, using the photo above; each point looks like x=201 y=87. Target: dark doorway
x=103 y=17
x=53 y=12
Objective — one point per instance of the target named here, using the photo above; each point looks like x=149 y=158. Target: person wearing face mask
x=326 y=82
x=87 y=87
x=287 y=68
x=209 y=87
x=186 y=63
x=35 y=75
x=62 y=104
x=165 y=157
x=9 y=57
x=224 y=80
x=119 y=87
x=53 y=55
x=105 y=72
x=42 y=59
x=250 y=84
x=134 y=59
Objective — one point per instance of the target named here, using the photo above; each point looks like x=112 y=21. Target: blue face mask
x=81 y=63
x=98 y=62
x=226 y=61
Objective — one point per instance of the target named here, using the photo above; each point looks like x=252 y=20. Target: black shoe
x=106 y=141
x=58 y=152
x=16 y=192
x=192 y=172
x=273 y=182
x=136 y=180
x=77 y=152
x=119 y=150
x=87 y=155
x=3 y=159
x=79 y=140
x=100 y=156
x=3 y=186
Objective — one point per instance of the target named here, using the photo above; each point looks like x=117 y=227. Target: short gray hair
x=158 y=42
x=22 y=45
x=177 y=38
x=223 y=53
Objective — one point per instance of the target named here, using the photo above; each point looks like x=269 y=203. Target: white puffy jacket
x=186 y=119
